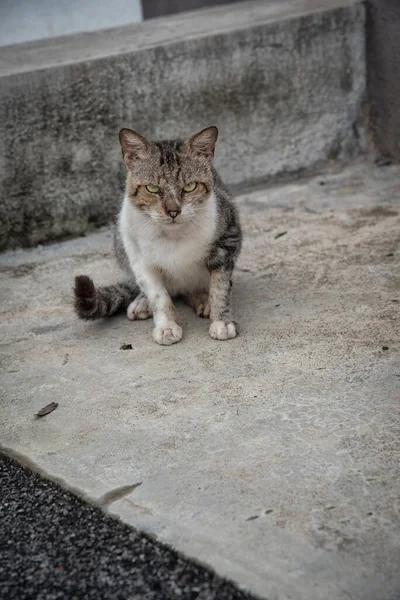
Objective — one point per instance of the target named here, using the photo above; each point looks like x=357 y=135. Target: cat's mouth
x=173 y=222
x=168 y=223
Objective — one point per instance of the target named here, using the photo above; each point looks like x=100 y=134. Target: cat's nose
x=173 y=213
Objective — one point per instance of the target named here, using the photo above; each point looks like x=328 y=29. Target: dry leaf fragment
x=47 y=409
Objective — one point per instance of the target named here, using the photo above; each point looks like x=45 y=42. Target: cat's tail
x=93 y=302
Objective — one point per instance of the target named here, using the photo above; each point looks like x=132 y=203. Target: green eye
x=152 y=188
x=190 y=187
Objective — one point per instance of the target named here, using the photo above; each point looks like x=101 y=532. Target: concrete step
x=284 y=81
x=271 y=457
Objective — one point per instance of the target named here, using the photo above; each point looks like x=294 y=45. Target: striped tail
x=94 y=303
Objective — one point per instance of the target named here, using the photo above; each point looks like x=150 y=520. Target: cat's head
x=169 y=180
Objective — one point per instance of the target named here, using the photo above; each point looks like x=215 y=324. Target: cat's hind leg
x=200 y=304
x=139 y=308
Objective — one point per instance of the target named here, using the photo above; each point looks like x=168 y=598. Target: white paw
x=166 y=336
x=223 y=330
x=139 y=308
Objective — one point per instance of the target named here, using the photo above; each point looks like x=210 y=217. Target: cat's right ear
x=134 y=147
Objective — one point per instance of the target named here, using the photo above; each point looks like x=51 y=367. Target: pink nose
x=173 y=213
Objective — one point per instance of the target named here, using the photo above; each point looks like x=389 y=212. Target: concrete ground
x=274 y=457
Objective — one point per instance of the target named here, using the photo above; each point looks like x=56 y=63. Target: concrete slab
x=274 y=457
x=284 y=82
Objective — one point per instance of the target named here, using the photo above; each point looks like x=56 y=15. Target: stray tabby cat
x=178 y=234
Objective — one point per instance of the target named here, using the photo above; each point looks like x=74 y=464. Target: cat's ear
x=204 y=142
x=134 y=146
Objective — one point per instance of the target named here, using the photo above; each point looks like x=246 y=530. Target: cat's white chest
x=178 y=256
x=182 y=264
x=173 y=255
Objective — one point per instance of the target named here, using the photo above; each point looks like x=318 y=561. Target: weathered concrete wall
x=284 y=82
x=383 y=54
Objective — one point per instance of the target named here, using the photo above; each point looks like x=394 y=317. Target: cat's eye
x=190 y=187
x=152 y=188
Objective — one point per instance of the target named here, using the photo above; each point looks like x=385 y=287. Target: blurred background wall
x=383 y=60
x=285 y=80
x=157 y=8
x=28 y=20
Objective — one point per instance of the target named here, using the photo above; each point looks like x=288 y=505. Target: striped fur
x=170 y=241
x=93 y=303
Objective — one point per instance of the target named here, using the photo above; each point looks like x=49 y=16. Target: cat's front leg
x=167 y=330
x=223 y=326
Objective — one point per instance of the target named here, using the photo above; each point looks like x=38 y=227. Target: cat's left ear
x=204 y=142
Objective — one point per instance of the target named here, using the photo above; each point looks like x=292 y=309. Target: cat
x=178 y=234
